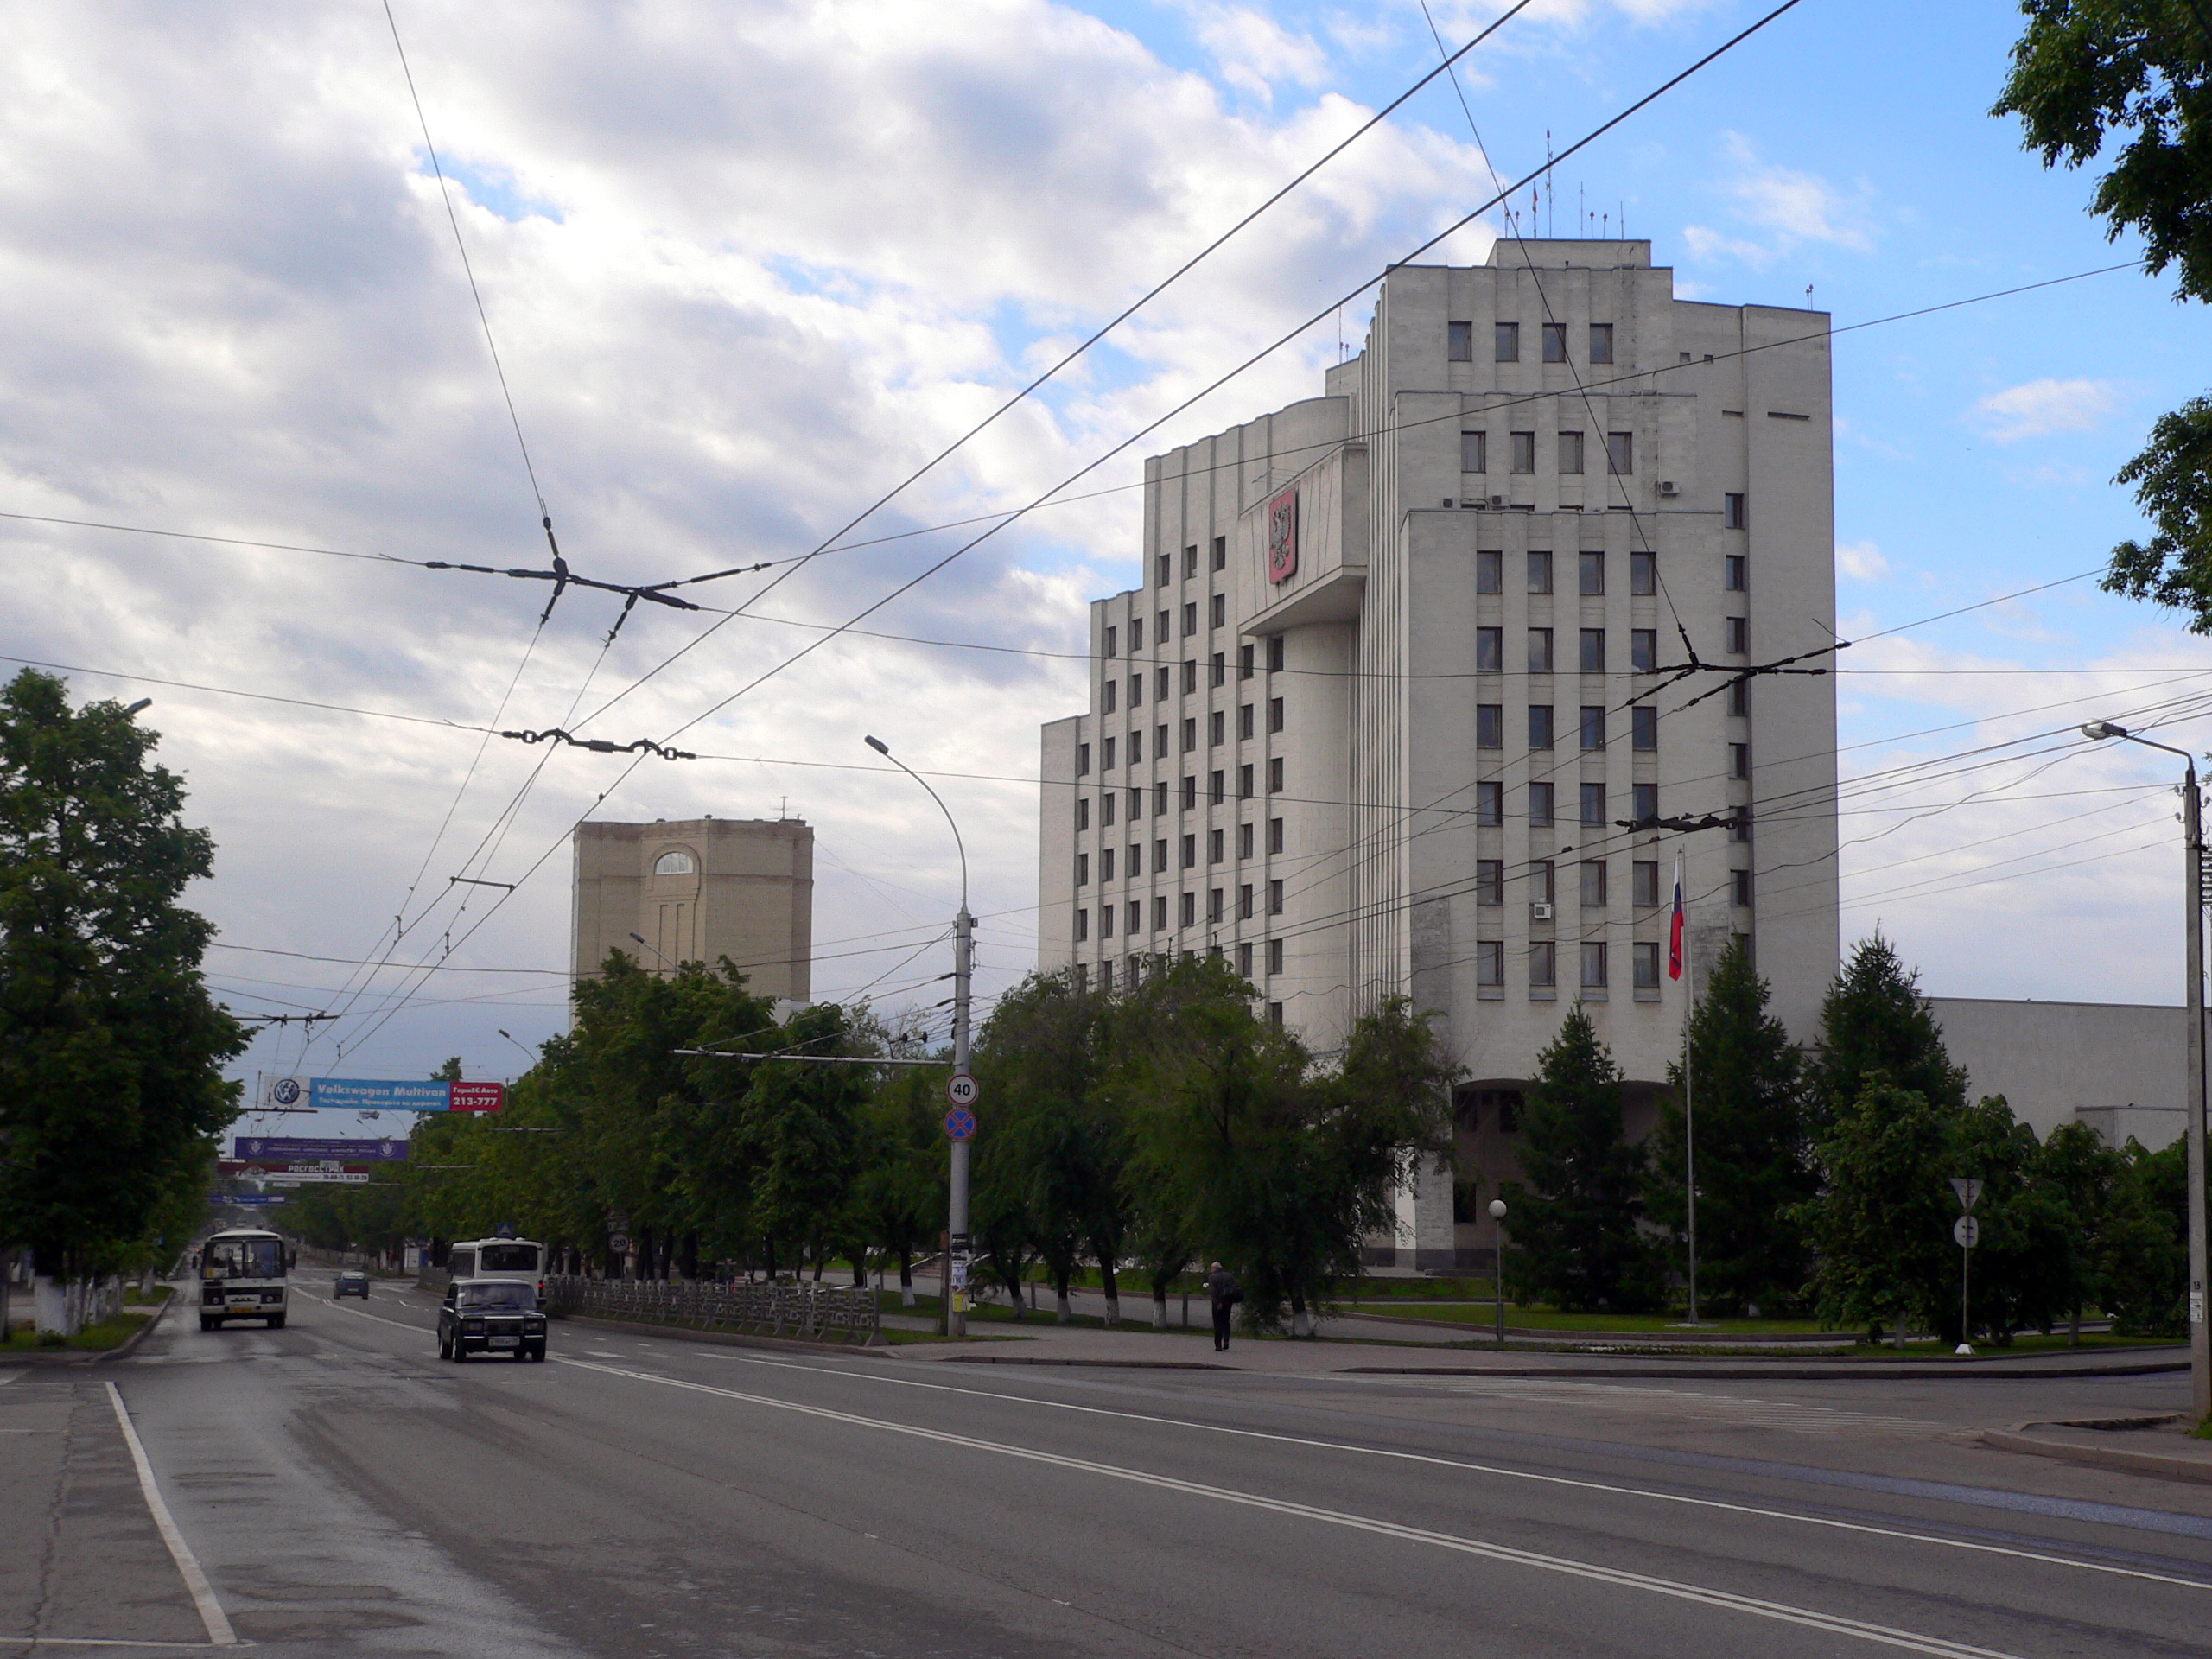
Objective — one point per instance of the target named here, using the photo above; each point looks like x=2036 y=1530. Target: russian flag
x=1675 y=928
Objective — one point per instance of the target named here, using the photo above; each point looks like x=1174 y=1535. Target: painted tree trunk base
x=1062 y=1312
x=1160 y=1312
x=1301 y=1322
x=1113 y=1311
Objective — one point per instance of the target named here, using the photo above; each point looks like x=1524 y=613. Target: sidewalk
x=2141 y=1445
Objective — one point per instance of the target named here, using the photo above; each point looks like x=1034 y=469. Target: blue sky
x=748 y=267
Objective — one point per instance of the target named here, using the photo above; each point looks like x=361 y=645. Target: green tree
x=1753 y=1156
x=2146 y=1260
x=1881 y=1227
x=111 y=1092
x=2089 y=1180
x=2131 y=80
x=1574 y=1215
x=1875 y=1023
x=804 y=1122
x=904 y=1172
x=2021 y=1271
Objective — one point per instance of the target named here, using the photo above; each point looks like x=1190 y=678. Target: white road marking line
x=1863 y=1528
x=1781 y=1612
x=96 y=1641
x=8 y=1376
x=220 y=1634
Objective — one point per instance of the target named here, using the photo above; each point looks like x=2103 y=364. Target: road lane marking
x=1864 y=1529
x=1727 y=1600
x=98 y=1642
x=220 y=1634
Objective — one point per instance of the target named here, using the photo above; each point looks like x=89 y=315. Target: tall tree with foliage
x=2132 y=80
x=1753 y=1154
x=111 y=1091
x=2020 y=1273
x=803 y=1120
x=1875 y=1024
x=903 y=1170
x=1881 y=1227
x=1573 y=1216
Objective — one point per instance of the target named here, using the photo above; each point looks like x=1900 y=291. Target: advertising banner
x=285 y=1149
x=381 y=1095
x=224 y=1200
x=329 y=1173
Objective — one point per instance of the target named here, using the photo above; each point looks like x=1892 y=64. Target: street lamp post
x=963 y=929
x=1498 y=1265
x=2200 y=1336
x=639 y=938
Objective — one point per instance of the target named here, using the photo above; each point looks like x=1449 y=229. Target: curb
x=100 y=1357
x=2101 y=1457
x=724 y=1338
x=1655 y=1340
x=1780 y=1371
x=1106 y=1365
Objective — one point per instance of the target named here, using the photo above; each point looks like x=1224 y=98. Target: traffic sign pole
x=956 y=1275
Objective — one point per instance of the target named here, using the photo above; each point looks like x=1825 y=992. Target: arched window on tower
x=673 y=863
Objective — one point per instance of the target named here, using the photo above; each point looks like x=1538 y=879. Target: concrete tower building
x=1399 y=675
x=696 y=890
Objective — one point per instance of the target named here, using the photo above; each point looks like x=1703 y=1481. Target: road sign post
x=1968 y=1230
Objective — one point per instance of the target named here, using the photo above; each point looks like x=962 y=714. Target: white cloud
x=1253 y=51
x=2040 y=408
x=1789 y=208
x=1861 y=561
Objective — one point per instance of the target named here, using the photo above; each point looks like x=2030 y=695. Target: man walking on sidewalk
x=1221 y=1286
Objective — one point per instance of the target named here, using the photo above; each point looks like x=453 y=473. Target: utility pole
x=964 y=940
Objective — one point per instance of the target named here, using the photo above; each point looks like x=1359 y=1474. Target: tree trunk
x=2073 y=1332
x=1113 y=1290
x=1159 y=1307
x=1061 y=1287
x=860 y=1269
x=905 y=1278
x=1301 y=1322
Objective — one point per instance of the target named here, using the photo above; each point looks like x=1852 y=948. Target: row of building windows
x=1505 y=342
x=1489 y=726
x=1595 y=964
x=1109 y=801
x=1163 y=564
x=1521 y=452
x=1246 y=657
x=1589 y=573
x=1490 y=802
x=1190 y=849
x=1490 y=652
x=1248 y=897
x=1217 y=781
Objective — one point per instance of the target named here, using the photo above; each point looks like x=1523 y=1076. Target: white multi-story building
x=1402 y=674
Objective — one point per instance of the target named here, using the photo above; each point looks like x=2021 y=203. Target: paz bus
x=242 y=1273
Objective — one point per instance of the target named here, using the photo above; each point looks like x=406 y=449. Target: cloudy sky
x=748 y=267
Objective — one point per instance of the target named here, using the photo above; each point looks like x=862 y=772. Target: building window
x=1740 y=884
x=1474 y=451
x=1220 y=665
x=1106 y=757
x=1082 y=925
x=1112 y=692
x=1243 y=841
x=1106 y=870
x=1490 y=573
x=1739 y=696
x=1646 y=799
x=1490 y=726
x=1540 y=650
x=1643 y=722
x=1106 y=931
x=1643 y=573
x=1159 y=913
x=1274 y=775
x=1570 y=454
x=1106 y=805
x=1191 y=560
x=1490 y=881
x=1244 y=662
x=1189 y=850
x=1274 y=834
x=1136 y=802
x=1539 y=725
x=1489 y=803
x=1739 y=825
x=1113 y=638
x=1275 y=654
x=1213 y=846
x=1162 y=569
x=1647 y=965
x=1490 y=964
x=1620 y=452
x=1136 y=746
x=1543 y=965
x=1136 y=690
x=1590 y=573
x=1524 y=452
x=1221 y=552
x=1554 y=342
x=1159 y=633
x=1540 y=890
x=1166 y=674
x=1190 y=617
x=1539 y=806
x=1489 y=651
x=1459 y=342
x=1190 y=910
x=1740 y=760
x=1190 y=792
x=1218 y=616
x=1645 y=884
x=1244 y=960
x=1274 y=714
x=1540 y=572
x=1275 y=961
x=1593 y=806
x=1136 y=635
x=1082 y=977
x=1214 y=728
x=1593 y=728
x=1215 y=794
x=1244 y=902
x=1083 y=811
x=1643 y=650
x=1506 y=341
x=1243 y=721
x=1593 y=965
x=1244 y=782
x=1739 y=633
x=1593 y=650
x=1593 y=884
x=1275 y=1014
x=1213 y=905
x=1082 y=869
x=1082 y=760
x=1601 y=342
x=1731 y=511
x=1190 y=732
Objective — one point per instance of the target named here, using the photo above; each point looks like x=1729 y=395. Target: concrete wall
x=749 y=895
x=2120 y=1068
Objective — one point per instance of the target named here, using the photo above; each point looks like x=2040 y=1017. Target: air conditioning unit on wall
x=1667 y=488
x=1540 y=911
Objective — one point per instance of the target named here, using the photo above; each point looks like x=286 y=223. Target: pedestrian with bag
x=1221 y=1286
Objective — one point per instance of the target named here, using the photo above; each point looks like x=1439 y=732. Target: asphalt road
x=344 y=1492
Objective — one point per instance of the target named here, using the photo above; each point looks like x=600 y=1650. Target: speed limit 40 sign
x=963 y=1091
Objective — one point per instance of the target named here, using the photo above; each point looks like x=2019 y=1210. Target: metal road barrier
x=811 y=1312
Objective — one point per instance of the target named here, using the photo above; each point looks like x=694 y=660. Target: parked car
x=351 y=1282
x=491 y=1316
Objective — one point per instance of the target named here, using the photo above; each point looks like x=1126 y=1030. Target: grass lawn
x=93 y=1338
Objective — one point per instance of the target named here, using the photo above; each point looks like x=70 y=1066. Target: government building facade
x=1402 y=693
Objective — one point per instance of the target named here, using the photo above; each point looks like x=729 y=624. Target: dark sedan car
x=351 y=1282
x=491 y=1316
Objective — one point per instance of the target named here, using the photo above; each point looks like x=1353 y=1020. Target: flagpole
x=1689 y=1089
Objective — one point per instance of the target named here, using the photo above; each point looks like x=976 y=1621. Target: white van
x=498 y=1258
